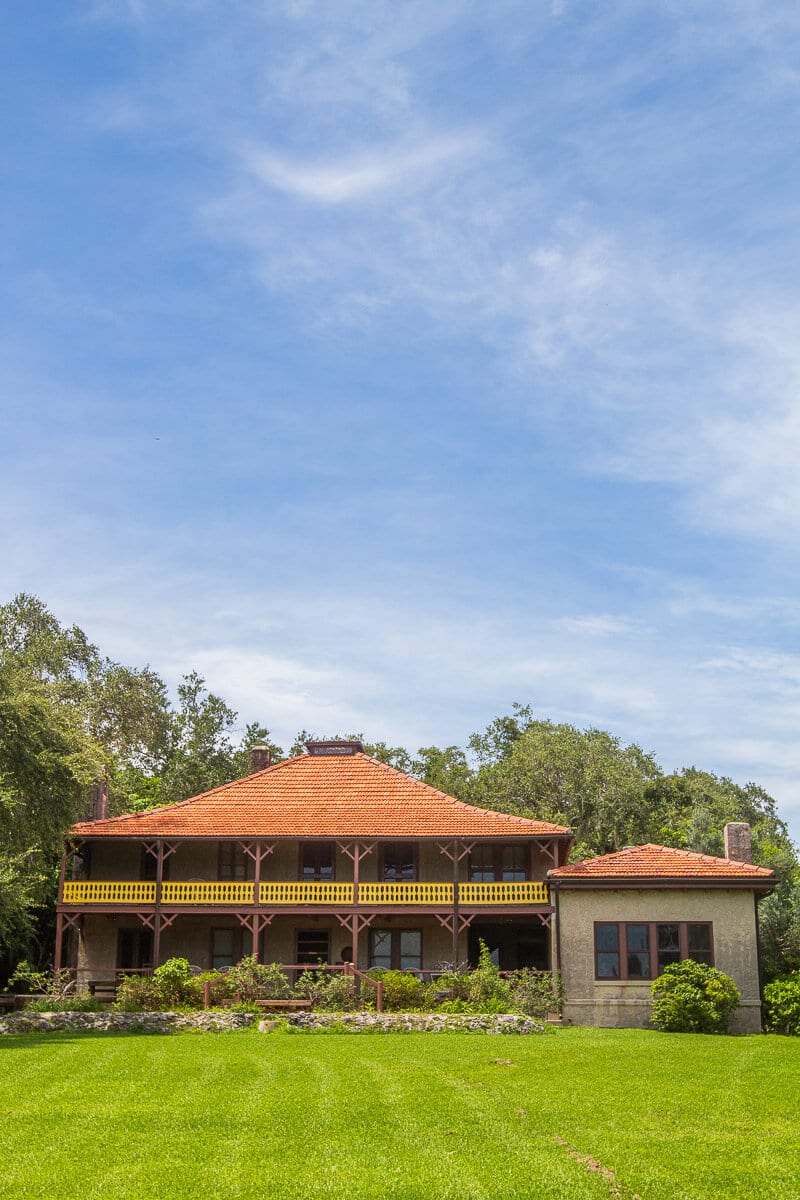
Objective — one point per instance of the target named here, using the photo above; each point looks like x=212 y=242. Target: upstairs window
x=148 y=866
x=233 y=862
x=399 y=862
x=317 y=862
x=498 y=864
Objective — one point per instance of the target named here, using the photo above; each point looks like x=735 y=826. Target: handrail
x=405 y=893
x=349 y=969
x=174 y=891
x=527 y=892
x=305 y=892
x=94 y=891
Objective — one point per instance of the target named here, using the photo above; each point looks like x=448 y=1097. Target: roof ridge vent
x=334 y=747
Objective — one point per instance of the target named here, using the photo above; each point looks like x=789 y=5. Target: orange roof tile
x=661 y=862
x=320 y=796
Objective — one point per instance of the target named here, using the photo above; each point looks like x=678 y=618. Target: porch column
x=258 y=853
x=59 y=941
x=157 y=920
x=456 y=863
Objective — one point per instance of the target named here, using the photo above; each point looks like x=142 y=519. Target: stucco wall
x=625 y=1003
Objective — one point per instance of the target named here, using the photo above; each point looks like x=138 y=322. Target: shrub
x=220 y=989
x=691 y=997
x=137 y=993
x=328 y=991
x=251 y=978
x=175 y=985
x=79 y=1002
x=488 y=990
x=536 y=993
x=454 y=980
x=402 y=991
x=782 y=1005
x=27 y=979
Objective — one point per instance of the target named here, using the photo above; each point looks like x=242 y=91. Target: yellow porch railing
x=503 y=893
x=405 y=893
x=84 y=891
x=174 y=891
x=306 y=893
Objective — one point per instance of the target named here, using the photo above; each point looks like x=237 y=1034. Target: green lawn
x=403 y=1115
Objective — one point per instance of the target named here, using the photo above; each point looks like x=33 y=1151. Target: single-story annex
x=334 y=856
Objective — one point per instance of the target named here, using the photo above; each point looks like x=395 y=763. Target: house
x=330 y=856
x=333 y=856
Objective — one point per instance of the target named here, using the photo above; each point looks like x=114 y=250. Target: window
x=317 y=861
x=490 y=864
x=399 y=862
x=233 y=862
x=641 y=950
x=134 y=949
x=313 y=946
x=225 y=948
x=396 y=949
x=148 y=866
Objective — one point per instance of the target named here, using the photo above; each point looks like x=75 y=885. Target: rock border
x=301 y=1022
x=118 y=1022
x=370 y=1022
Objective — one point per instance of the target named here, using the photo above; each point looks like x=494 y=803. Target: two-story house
x=329 y=856
x=335 y=857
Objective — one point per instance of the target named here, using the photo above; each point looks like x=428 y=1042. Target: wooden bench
x=278 y=1005
x=103 y=989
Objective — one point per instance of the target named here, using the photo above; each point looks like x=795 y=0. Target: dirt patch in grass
x=615 y=1188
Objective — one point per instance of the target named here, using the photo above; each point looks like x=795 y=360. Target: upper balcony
x=332 y=895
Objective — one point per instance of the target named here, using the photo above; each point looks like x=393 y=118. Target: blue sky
x=389 y=363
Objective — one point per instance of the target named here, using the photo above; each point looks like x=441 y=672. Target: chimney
x=100 y=800
x=737 y=841
x=259 y=758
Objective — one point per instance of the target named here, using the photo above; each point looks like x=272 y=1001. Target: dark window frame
x=226 y=872
x=237 y=943
x=148 y=866
x=652 y=943
x=497 y=851
x=386 y=846
x=395 y=954
x=314 y=850
x=140 y=942
x=316 y=933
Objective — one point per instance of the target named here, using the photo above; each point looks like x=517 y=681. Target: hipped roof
x=661 y=863
x=320 y=796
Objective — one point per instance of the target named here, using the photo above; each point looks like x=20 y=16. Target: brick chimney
x=259 y=758
x=100 y=800
x=737 y=841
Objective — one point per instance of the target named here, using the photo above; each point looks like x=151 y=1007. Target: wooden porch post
x=59 y=942
x=455 y=903
x=157 y=919
x=257 y=856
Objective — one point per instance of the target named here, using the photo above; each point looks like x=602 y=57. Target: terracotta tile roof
x=321 y=797
x=660 y=862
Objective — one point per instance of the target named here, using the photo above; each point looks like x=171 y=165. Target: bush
x=176 y=986
x=251 y=978
x=782 y=1005
x=220 y=989
x=691 y=997
x=536 y=993
x=402 y=991
x=488 y=990
x=137 y=993
x=328 y=991
x=79 y=1002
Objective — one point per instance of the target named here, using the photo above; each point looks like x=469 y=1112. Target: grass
x=577 y=1114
